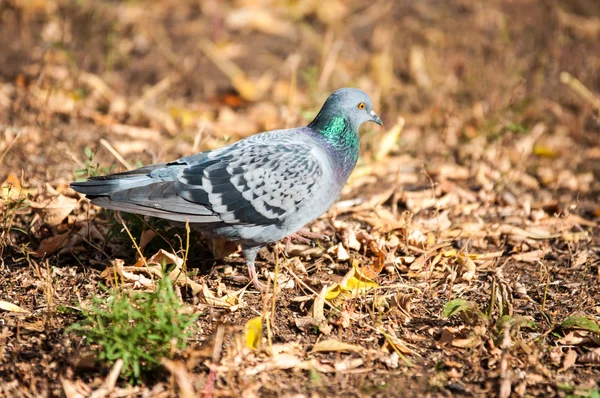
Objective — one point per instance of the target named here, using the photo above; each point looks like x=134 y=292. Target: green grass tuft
x=140 y=328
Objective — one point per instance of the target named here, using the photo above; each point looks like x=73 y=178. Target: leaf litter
x=466 y=241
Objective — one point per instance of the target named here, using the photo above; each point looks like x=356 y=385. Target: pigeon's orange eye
x=361 y=105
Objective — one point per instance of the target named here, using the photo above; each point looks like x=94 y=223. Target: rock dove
x=255 y=191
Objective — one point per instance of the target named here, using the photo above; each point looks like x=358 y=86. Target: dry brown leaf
x=131 y=275
x=336 y=346
x=109 y=383
x=229 y=301
x=282 y=361
x=260 y=19
x=75 y=389
x=531 y=257
x=251 y=90
x=348 y=364
x=185 y=386
x=11 y=188
x=466 y=343
x=387 y=143
x=163 y=257
x=468 y=267
x=221 y=248
x=339 y=251
x=416 y=57
x=349 y=240
x=143 y=134
x=579 y=337
x=529 y=233
x=569 y=360
x=10 y=307
x=56 y=209
x=526 y=145
x=592 y=357
x=146 y=237
x=52 y=244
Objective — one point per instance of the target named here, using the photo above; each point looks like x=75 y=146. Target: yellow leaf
x=544 y=151
x=186 y=117
x=353 y=285
x=389 y=139
x=11 y=188
x=253 y=332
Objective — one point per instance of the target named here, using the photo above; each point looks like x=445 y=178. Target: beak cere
x=375 y=118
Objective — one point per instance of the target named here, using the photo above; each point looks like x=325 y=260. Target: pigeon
x=255 y=191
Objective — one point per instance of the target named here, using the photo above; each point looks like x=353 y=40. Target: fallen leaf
x=146 y=238
x=260 y=19
x=52 y=244
x=56 y=209
x=6 y=306
x=11 y=188
x=353 y=285
x=253 y=333
x=579 y=322
x=348 y=364
x=282 y=361
x=388 y=142
x=592 y=357
x=569 y=360
x=182 y=378
x=336 y=346
x=229 y=301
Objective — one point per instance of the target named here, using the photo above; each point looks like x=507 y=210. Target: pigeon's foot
x=303 y=236
x=250 y=255
x=261 y=287
x=243 y=279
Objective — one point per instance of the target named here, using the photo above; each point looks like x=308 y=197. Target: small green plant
x=91 y=169
x=580 y=322
x=461 y=306
x=140 y=328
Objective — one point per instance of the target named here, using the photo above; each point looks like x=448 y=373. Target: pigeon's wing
x=258 y=182
x=148 y=191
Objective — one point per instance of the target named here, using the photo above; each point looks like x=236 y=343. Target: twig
x=329 y=65
x=118 y=216
x=116 y=154
x=577 y=86
x=10 y=145
x=187 y=245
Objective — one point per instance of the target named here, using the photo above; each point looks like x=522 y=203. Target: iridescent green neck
x=342 y=141
x=338 y=132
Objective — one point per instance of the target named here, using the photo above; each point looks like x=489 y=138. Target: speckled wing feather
x=259 y=181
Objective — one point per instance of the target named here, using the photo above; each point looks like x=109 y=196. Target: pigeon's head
x=352 y=104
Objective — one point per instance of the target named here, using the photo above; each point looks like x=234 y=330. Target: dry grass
x=463 y=257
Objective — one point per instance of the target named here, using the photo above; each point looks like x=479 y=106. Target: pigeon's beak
x=375 y=118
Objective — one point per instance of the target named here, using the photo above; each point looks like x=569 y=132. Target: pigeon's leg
x=250 y=255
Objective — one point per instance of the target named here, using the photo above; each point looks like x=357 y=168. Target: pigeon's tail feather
x=96 y=187
x=129 y=207
x=141 y=193
x=142 y=171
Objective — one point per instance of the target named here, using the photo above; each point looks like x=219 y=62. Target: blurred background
x=161 y=79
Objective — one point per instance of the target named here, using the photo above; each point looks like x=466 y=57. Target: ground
x=472 y=216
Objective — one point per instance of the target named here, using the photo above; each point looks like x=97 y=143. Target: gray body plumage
x=253 y=192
